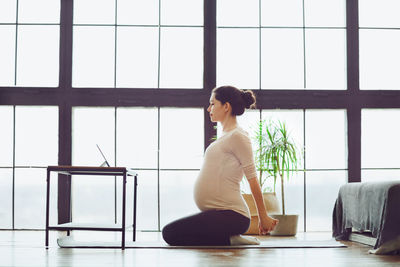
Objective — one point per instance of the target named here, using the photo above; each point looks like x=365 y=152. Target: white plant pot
x=287 y=225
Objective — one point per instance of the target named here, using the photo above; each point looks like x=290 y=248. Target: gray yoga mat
x=68 y=242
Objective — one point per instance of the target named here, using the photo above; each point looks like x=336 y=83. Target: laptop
x=105 y=163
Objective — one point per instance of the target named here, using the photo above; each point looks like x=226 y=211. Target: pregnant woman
x=224 y=214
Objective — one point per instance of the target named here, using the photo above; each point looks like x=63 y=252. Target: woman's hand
x=266 y=224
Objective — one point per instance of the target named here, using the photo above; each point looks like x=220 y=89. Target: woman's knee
x=168 y=234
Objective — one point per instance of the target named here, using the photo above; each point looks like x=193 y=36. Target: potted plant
x=280 y=158
x=270 y=200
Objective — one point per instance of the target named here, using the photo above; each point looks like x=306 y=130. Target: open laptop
x=105 y=163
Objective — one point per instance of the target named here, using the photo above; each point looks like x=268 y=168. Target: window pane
x=176 y=195
x=282 y=60
x=380 y=138
x=137 y=57
x=181 y=58
x=382 y=13
x=181 y=138
x=287 y=13
x=138 y=12
x=379 y=59
x=237 y=13
x=30 y=199
x=36 y=136
x=326 y=13
x=322 y=190
x=93 y=199
x=6 y=198
x=91 y=126
x=147 y=201
x=94 y=12
x=7 y=55
x=93 y=57
x=8 y=11
x=38 y=55
x=294 y=125
x=182 y=12
x=238 y=58
x=294 y=197
x=326 y=139
x=380 y=175
x=6 y=136
x=326 y=68
x=137 y=137
x=39 y=11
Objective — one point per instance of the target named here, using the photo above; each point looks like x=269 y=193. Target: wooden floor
x=26 y=248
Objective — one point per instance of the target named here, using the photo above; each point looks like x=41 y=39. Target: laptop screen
x=105 y=163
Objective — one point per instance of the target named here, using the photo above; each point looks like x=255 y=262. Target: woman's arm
x=241 y=148
x=266 y=223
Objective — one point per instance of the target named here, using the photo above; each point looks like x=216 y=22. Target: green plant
x=276 y=155
x=260 y=163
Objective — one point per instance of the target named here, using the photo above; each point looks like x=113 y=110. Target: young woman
x=224 y=214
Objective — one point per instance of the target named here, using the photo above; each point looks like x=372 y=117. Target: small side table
x=85 y=170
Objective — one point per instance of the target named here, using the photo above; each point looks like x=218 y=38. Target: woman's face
x=216 y=109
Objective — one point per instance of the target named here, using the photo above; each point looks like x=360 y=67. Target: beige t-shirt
x=225 y=161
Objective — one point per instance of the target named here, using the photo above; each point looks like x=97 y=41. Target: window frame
x=65 y=96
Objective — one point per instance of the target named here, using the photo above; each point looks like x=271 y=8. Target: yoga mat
x=69 y=242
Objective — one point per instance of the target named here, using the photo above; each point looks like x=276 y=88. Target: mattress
x=372 y=206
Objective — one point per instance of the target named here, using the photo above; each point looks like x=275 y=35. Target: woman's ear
x=227 y=106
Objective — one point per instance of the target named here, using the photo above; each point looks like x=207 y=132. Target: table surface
x=79 y=170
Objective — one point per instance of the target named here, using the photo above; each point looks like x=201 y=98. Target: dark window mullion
x=352 y=39
x=209 y=64
x=65 y=110
x=64 y=158
x=66 y=41
x=354 y=143
x=353 y=87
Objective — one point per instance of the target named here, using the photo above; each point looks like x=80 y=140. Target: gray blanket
x=371 y=207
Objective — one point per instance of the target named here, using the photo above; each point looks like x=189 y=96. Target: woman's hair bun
x=249 y=98
x=239 y=99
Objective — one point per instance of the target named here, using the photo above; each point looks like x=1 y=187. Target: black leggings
x=208 y=228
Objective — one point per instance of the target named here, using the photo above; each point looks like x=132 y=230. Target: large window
x=266 y=44
x=29 y=143
x=143 y=44
x=380 y=145
x=29 y=49
x=135 y=77
x=379 y=42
